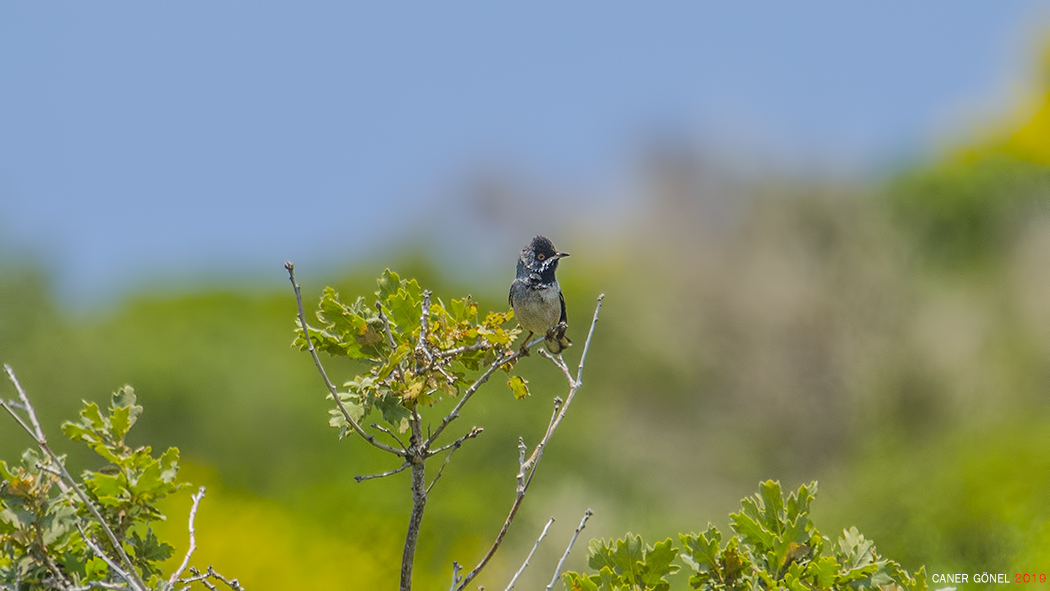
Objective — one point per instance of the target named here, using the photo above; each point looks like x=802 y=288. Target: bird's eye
x=540 y=257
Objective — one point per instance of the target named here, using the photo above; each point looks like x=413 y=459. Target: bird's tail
x=555 y=340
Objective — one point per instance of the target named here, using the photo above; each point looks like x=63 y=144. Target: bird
x=536 y=296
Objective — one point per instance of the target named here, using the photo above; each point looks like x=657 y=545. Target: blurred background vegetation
x=889 y=338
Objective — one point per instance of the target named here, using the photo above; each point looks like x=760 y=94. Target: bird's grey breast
x=537 y=306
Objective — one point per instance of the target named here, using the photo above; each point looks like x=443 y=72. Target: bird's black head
x=540 y=258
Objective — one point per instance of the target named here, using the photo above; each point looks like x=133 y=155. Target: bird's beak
x=562 y=255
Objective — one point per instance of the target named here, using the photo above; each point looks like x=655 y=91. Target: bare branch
x=587 y=343
x=37 y=431
x=477 y=346
x=379 y=427
x=557 y=571
x=384 y=474
x=62 y=582
x=202 y=578
x=532 y=463
x=423 y=345
x=455 y=575
x=454 y=413
x=193 y=538
x=231 y=583
x=424 y=326
x=93 y=585
x=558 y=361
x=41 y=441
x=543 y=534
x=386 y=327
x=537 y=453
x=521 y=464
x=416 y=455
x=320 y=368
x=451 y=379
x=109 y=561
x=452 y=447
x=474 y=432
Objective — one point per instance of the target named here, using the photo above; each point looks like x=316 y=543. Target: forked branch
x=557 y=571
x=324 y=375
x=130 y=575
x=527 y=469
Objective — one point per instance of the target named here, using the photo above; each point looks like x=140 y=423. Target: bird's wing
x=564 y=318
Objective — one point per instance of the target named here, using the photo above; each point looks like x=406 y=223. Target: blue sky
x=193 y=139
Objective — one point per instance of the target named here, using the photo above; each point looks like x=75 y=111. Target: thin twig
x=93 y=585
x=193 y=538
x=382 y=475
x=477 y=346
x=521 y=463
x=41 y=441
x=557 y=571
x=500 y=361
x=37 y=431
x=202 y=578
x=452 y=447
x=231 y=583
x=587 y=343
x=537 y=452
x=386 y=327
x=320 y=368
x=451 y=379
x=543 y=534
x=533 y=462
x=109 y=561
x=474 y=432
x=424 y=326
x=455 y=575
x=63 y=584
x=558 y=361
x=197 y=577
x=379 y=427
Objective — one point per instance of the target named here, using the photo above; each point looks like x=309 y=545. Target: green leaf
x=658 y=565
x=404 y=310
x=396 y=357
x=150 y=548
x=169 y=463
x=349 y=331
x=608 y=581
x=464 y=310
x=77 y=432
x=576 y=582
x=92 y=417
x=125 y=398
x=394 y=413
x=120 y=419
x=798 y=502
x=148 y=482
x=855 y=549
x=750 y=529
x=702 y=549
x=600 y=554
x=96 y=569
x=733 y=563
x=519 y=386
x=772 y=505
x=106 y=452
x=823 y=571
x=389 y=282
x=107 y=488
x=629 y=556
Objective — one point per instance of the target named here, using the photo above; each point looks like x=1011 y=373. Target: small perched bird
x=536 y=296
